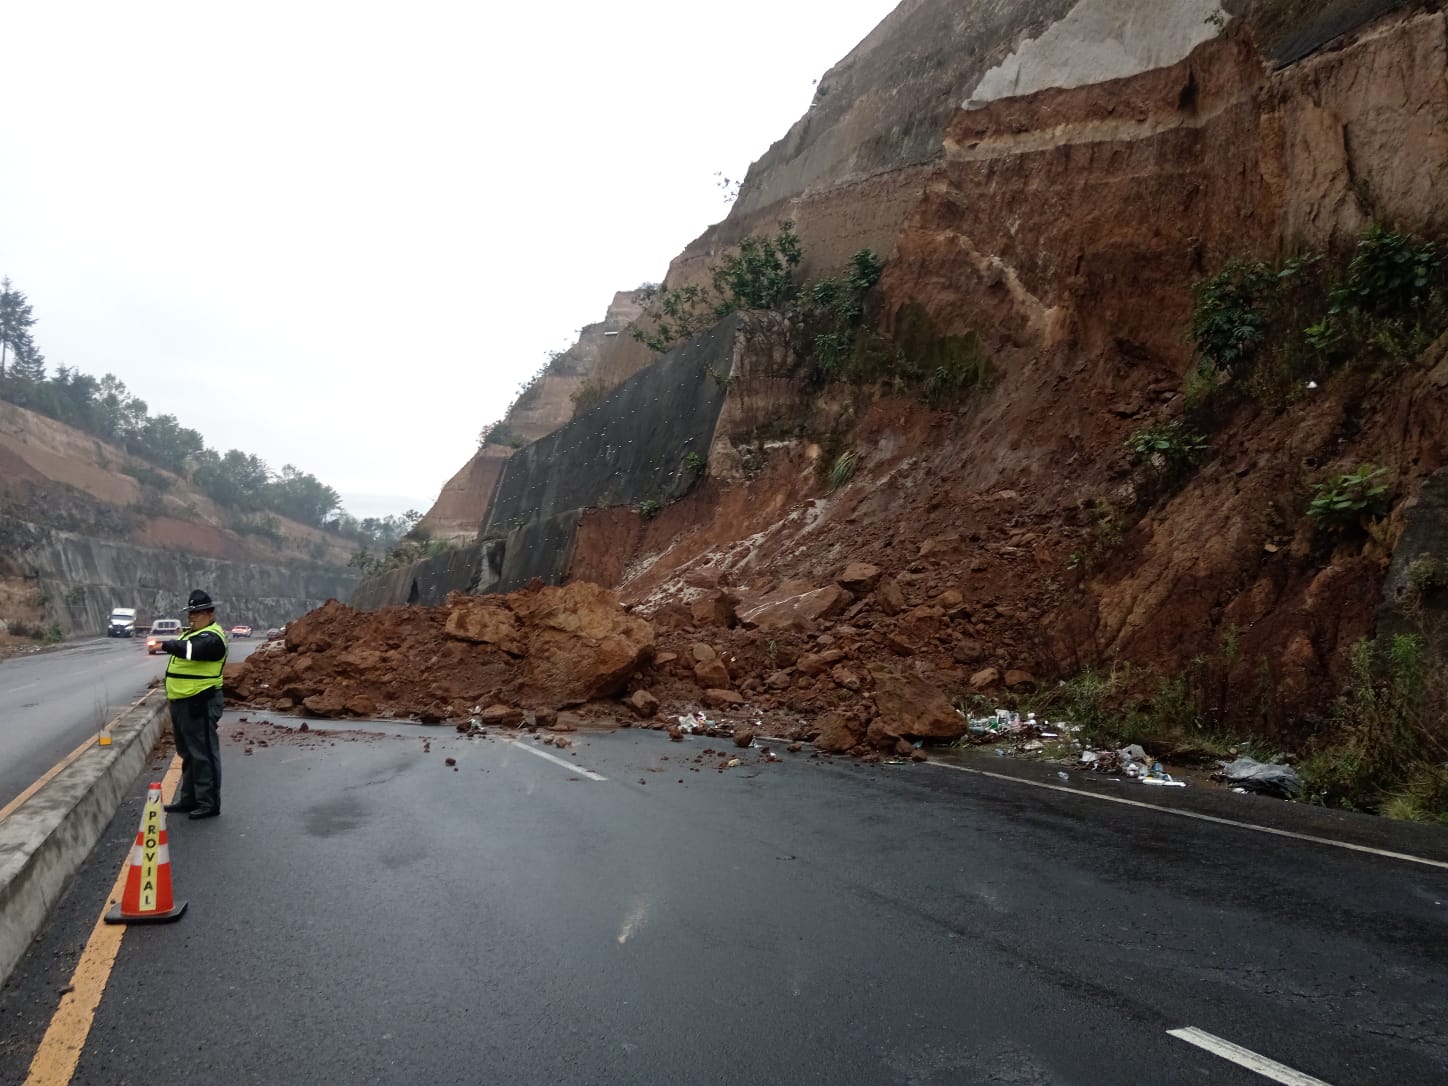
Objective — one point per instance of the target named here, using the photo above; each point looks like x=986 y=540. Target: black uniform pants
x=195 y=722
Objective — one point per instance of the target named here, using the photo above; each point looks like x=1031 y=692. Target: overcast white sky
x=341 y=235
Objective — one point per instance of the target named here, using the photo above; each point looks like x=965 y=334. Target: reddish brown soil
x=194 y=537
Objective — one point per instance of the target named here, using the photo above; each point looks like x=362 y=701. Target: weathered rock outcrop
x=82 y=578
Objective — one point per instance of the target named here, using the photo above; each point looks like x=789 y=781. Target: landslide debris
x=801 y=661
x=542 y=647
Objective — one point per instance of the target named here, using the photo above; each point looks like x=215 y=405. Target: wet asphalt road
x=52 y=701
x=363 y=914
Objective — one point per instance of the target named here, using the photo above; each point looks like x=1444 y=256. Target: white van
x=163 y=629
x=122 y=623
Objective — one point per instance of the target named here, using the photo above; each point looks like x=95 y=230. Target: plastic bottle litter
x=1063 y=775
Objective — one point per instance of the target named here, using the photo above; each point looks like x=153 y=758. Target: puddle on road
x=335 y=816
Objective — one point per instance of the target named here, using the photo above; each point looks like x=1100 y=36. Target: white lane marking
x=560 y=761
x=1244 y=1057
x=1200 y=817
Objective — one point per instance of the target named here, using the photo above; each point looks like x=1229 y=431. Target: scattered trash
x=699 y=723
x=1063 y=775
x=1262 y=778
x=1132 y=762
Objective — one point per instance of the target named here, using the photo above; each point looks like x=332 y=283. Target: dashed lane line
x=60 y=1049
x=559 y=761
x=1244 y=1057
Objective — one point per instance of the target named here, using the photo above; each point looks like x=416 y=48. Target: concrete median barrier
x=46 y=838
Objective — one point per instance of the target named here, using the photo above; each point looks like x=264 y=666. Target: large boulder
x=714 y=608
x=712 y=673
x=910 y=707
x=944 y=547
x=838 y=732
x=817 y=663
x=859 y=577
x=236 y=681
x=722 y=699
x=329 y=703
x=581 y=646
x=889 y=596
x=482 y=621
x=643 y=703
x=795 y=605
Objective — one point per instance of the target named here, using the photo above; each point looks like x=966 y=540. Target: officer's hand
x=173 y=647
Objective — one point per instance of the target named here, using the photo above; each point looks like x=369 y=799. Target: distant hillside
x=85 y=526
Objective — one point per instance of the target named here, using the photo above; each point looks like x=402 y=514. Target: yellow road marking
x=59 y=1052
x=9 y=808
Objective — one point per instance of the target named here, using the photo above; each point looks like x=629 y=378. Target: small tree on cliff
x=759 y=276
x=16 y=319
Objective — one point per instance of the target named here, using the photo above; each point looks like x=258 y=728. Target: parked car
x=163 y=629
x=241 y=631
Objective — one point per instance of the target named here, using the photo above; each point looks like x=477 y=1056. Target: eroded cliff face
x=1050 y=179
x=1064 y=228
x=549 y=403
x=463 y=503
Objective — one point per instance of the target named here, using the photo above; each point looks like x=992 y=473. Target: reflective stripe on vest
x=187 y=678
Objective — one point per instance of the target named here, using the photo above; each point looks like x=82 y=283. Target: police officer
x=193 y=689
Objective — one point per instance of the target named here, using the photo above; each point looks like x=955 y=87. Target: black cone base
x=115 y=916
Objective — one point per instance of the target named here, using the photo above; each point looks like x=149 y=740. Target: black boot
x=178 y=808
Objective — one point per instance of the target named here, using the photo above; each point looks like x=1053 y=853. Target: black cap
x=199 y=601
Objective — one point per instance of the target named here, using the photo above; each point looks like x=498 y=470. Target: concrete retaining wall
x=428 y=580
x=44 y=841
x=632 y=448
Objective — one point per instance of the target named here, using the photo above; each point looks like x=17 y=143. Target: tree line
x=106 y=408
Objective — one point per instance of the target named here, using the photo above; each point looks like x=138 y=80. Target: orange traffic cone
x=147 y=897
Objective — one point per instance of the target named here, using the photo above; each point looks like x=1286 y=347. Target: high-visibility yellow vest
x=187 y=678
